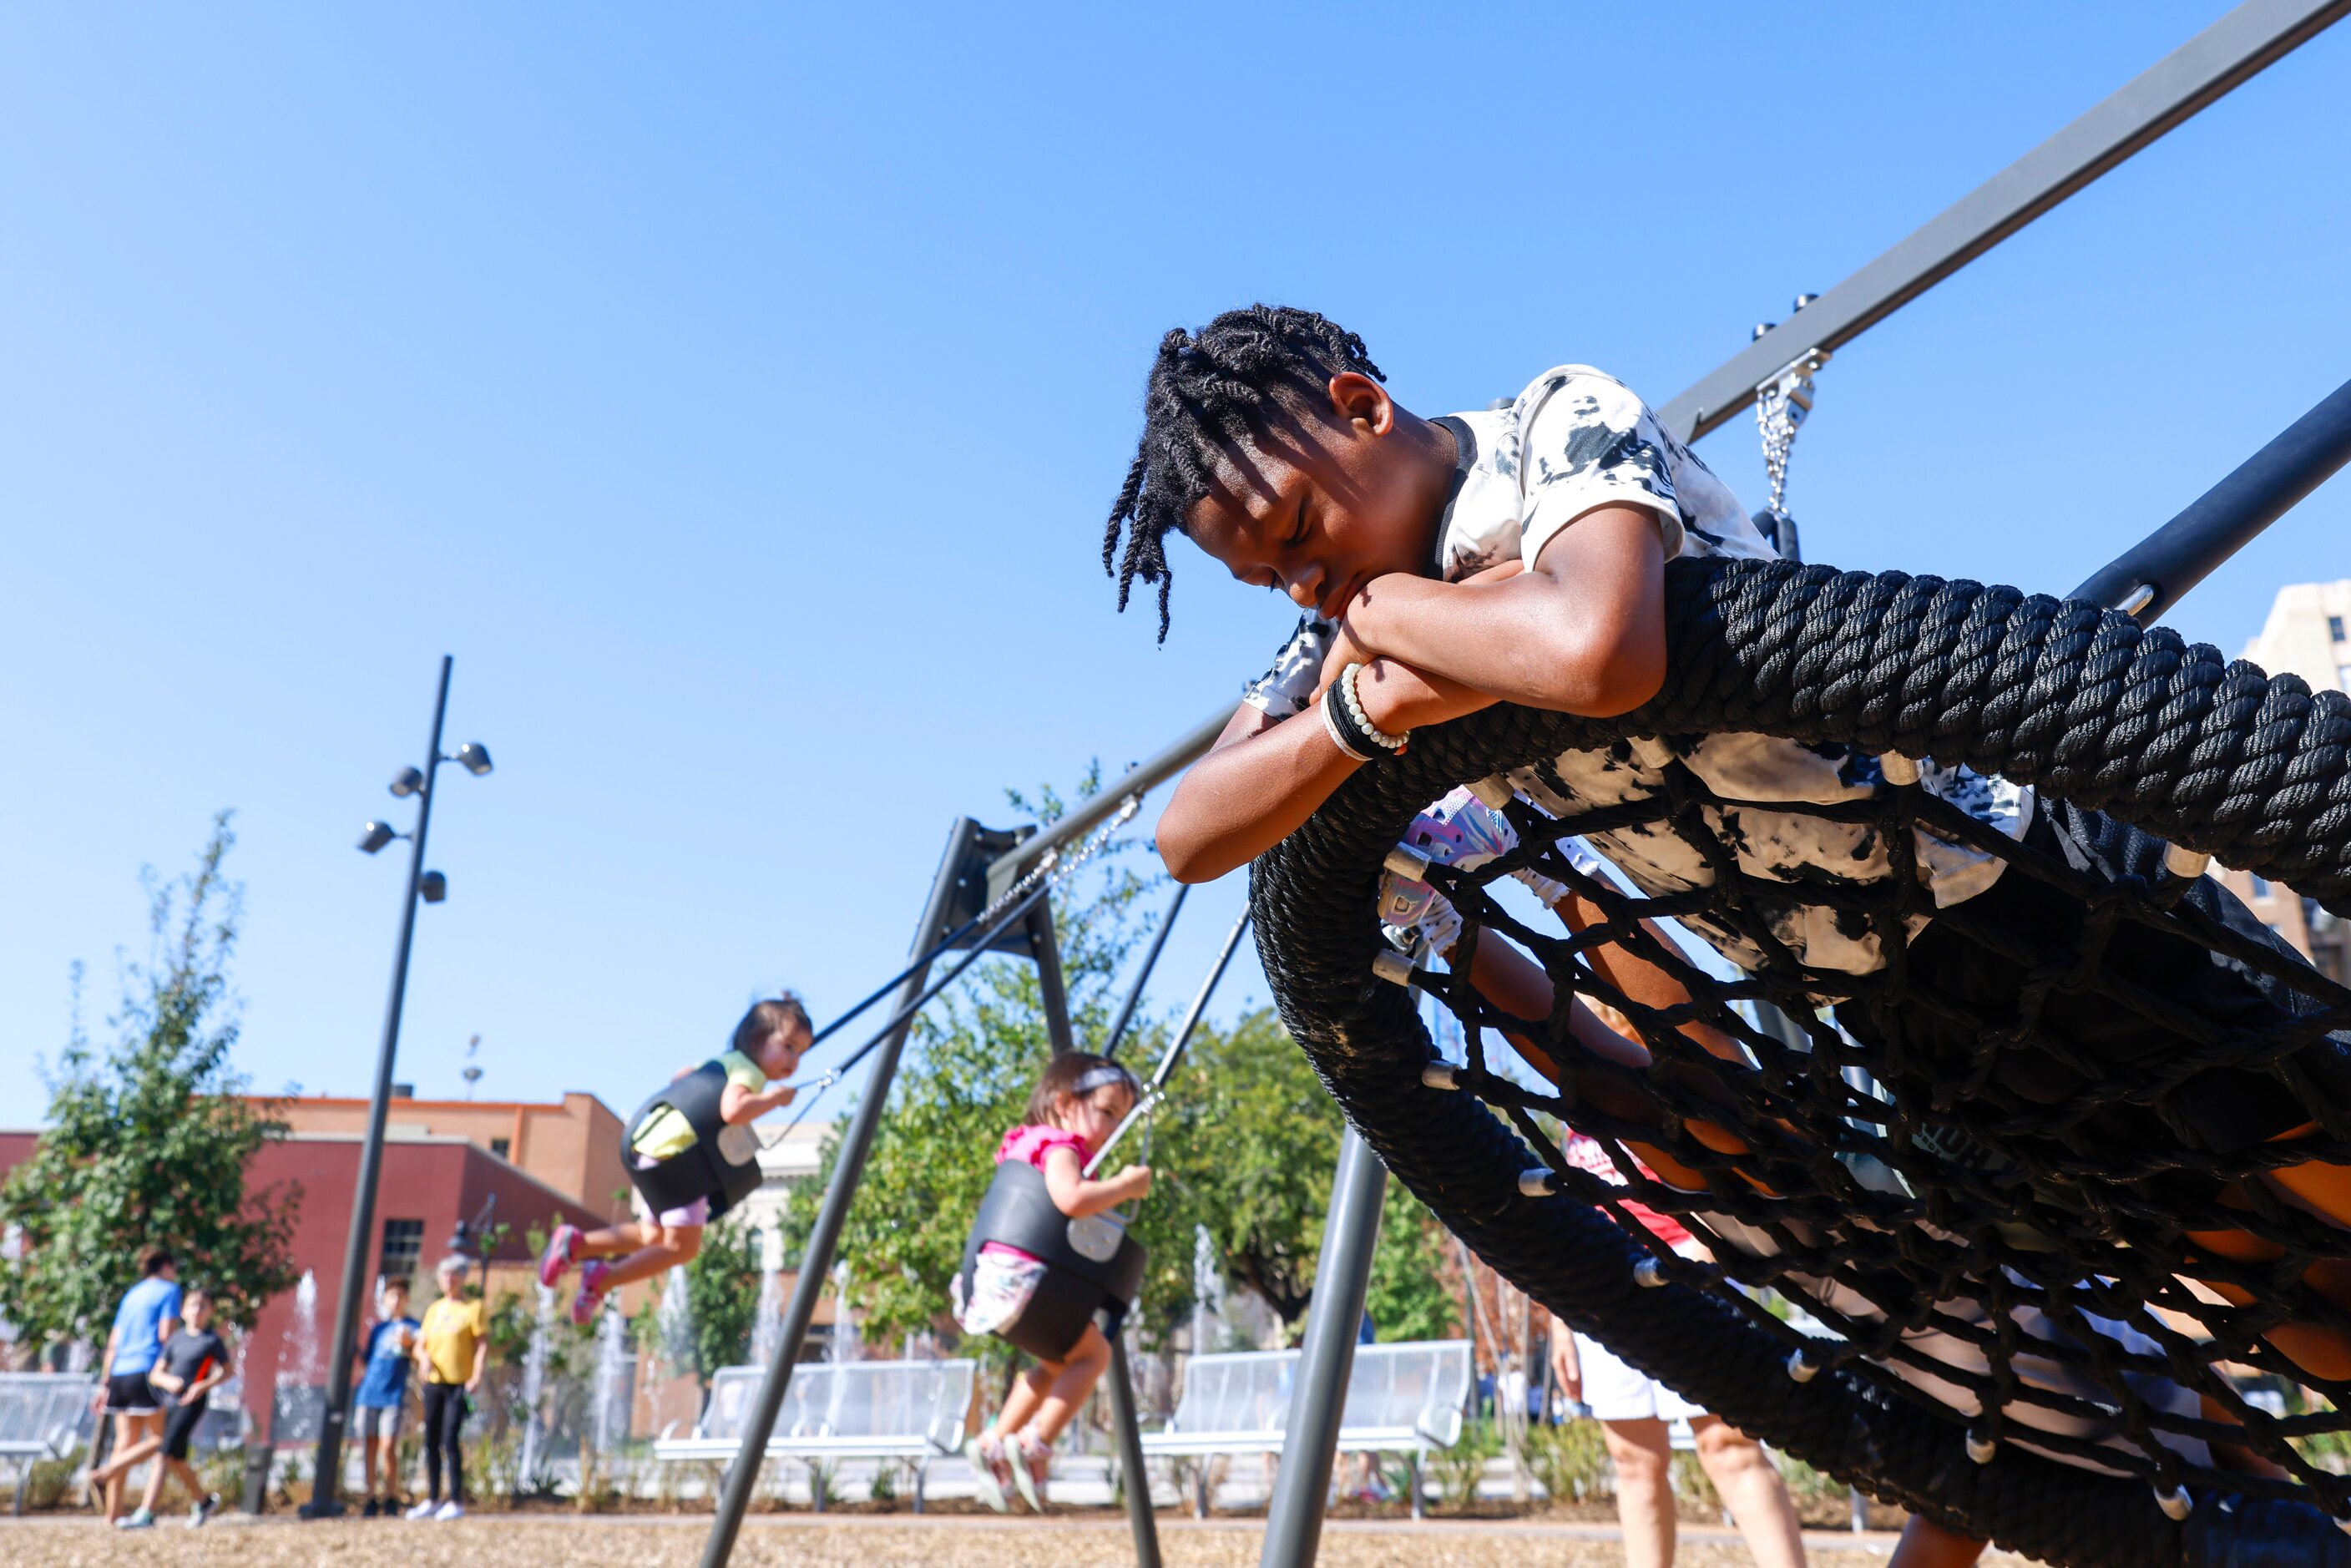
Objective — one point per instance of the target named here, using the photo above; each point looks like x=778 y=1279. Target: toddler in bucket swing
x=1517 y=555
x=767 y=1045
x=1074 y=1108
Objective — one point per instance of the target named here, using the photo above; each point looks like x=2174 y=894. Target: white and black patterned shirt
x=1575 y=440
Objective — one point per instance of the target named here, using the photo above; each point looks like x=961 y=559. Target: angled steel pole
x=2224 y=55
x=2149 y=578
x=1342 y=1275
x=856 y=1143
x=327 y=1470
x=1117 y=1035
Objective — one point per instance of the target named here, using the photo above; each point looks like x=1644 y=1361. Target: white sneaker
x=448 y=1511
x=424 y=1509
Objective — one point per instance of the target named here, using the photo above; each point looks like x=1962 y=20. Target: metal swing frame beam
x=2206 y=68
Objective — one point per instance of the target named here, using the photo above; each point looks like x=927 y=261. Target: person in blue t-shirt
x=383 y=1397
x=149 y=1316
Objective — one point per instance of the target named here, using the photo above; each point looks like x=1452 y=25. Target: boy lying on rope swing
x=1459 y=831
x=1517 y=554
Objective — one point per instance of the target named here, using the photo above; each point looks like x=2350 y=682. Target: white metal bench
x=43 y=1415
x=1401 y=1399
x=910 y=1410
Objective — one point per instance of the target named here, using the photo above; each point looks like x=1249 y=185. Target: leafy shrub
x=1457 y=1469
x=1569 y=1460
x=50 y=1480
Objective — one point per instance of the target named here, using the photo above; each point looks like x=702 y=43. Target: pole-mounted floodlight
x=423 y=887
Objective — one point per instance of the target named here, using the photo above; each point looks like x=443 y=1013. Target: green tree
x=149 y=1140
x=1411 y=1294
x=721 y=1288
x=1254 y=1140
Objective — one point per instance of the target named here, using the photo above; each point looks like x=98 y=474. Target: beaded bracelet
x=1350 y=728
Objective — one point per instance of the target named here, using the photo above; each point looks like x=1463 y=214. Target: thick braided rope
x=2082 y=702
x=2085 y=704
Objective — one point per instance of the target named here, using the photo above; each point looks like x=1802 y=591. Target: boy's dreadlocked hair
x=1206 y=388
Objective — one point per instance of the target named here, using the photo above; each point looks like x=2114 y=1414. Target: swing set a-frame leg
x=1343 y=1278
x=816 y=1264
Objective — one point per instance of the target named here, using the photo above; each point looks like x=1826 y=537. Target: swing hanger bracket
x=1793 y=383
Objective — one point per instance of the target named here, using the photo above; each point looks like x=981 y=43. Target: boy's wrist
x=1381 y=698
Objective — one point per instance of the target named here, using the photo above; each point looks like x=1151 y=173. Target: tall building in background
x=2308 y=633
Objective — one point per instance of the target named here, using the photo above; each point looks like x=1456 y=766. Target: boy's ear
x=1356 y=397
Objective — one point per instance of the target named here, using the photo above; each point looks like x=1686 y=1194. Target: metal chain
x=1052 y=864
x=1780 y=405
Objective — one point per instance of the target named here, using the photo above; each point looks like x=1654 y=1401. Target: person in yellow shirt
x=452 y=1349
x=691 y=1156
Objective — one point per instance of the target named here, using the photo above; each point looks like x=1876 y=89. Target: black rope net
x=2022 y=1341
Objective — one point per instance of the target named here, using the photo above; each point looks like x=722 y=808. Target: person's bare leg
x=1071 y=1381
x=109 y=1475
x=1021 y=1405
x=155 y=1479
x=627 y=1237
x=135 y=1438
x=1753 y=1491
x=1926 y=1544
x=1644 y=1457
x=673 y=1245
x=368 y=1459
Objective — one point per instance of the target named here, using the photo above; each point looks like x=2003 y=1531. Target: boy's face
x=1328 y=497
x=199 y=1310
x=395 y=1300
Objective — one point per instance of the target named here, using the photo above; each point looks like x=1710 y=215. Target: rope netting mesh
x=2032 y=1254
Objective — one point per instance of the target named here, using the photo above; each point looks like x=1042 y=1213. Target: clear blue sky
x=736 y=392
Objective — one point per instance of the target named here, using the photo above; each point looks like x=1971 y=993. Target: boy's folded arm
x=1265 y=775
x=1261 y=779
x=1582 y=633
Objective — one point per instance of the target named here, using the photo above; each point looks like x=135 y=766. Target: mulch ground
x=798 y=1542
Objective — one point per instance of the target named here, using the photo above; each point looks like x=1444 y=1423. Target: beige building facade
x=2308 y=633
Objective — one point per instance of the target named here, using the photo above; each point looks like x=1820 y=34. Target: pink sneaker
x=561 y=1248
x=592 y=1291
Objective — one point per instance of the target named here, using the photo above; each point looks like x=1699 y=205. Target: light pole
x=423 y=886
